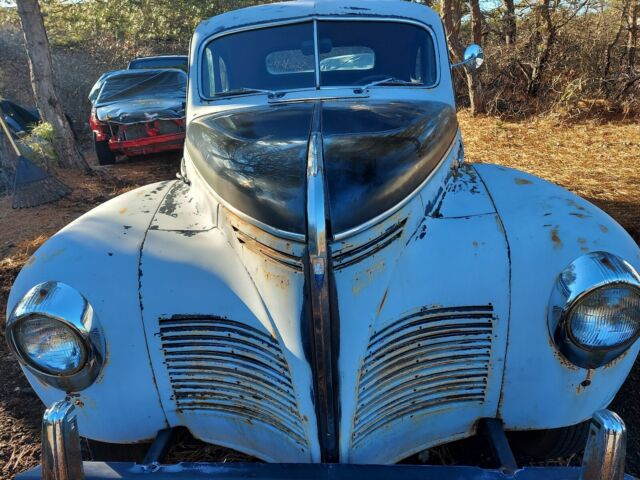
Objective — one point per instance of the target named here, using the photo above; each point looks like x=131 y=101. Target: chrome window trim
x=314 y=19
x=60 y=302
x=585 y=275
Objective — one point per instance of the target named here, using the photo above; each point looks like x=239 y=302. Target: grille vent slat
x=427 y=361
x=216 y=365
x=287 y=259
x=349 y=256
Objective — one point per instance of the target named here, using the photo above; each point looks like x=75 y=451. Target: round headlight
x=607 y=317
x=50 y=345
x=594 y=310
x=56 y=335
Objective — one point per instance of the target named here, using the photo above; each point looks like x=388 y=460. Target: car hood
x=375 y=154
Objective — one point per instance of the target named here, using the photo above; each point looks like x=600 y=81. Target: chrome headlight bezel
x=59 y=302
x=585 y=276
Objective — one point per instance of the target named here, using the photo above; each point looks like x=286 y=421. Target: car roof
x=300 y=9
x=141 y=71
x=154 y=57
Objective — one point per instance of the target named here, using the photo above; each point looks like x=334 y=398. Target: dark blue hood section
x=375 y=154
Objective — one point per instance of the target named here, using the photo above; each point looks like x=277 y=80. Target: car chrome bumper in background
x=61 y=459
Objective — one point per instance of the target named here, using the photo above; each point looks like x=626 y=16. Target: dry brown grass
x=598 y=161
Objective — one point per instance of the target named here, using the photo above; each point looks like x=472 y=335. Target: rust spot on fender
x=384 y=299
x=363 y=278
x=574 y=204
x=522 y=181
x=555 y=238
x=279 y=281
x=583 y=385
x=603 y=229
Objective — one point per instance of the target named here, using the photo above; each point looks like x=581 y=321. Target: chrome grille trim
x=271 y=253
x=349 y=256
x=426 y=361
x=217 y=365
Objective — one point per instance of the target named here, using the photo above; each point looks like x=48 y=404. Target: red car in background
x=138 y=112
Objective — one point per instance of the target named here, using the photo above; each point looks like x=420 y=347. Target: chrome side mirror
x=473 y=57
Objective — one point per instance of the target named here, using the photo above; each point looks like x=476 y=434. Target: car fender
x=98 y=254
x=547 y=227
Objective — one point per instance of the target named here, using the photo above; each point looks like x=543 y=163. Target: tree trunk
x=44 y=85
x=451 y=16
x=632 y=37
x=509 y=27
x=548 y=42
x=614 y=42
x=476 y=21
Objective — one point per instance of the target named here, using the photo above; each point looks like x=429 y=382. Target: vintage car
x=137 y=112
x=328 y=286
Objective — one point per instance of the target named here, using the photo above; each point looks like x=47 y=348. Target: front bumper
x=280 y=471
x=603 y=459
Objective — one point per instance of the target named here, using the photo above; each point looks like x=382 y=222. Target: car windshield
x=349 y=53
x=130 y=84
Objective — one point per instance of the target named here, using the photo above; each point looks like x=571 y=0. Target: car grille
x=424 y=362
x=139 y=130
x=225 y=367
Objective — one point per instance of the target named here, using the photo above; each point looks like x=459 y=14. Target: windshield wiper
x=385 y=81
x=243 y=91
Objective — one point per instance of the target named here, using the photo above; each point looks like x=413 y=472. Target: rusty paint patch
x=475 y=244
x=603 y=229
x=578 y=215
x=123 y=210
x=583 y=385
x=574 y=204
x=522 y=181
x=500 y=225
x=362 y=279
x=555 y=238
x=607 y=263
x=384 y=300
x=279 y=281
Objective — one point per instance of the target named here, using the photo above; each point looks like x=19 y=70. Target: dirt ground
x=600 y=162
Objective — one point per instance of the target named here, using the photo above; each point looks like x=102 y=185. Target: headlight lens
x=50 y=345
x=606 y=317
x=594 y=309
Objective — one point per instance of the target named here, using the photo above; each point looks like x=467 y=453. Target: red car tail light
x=97 y=127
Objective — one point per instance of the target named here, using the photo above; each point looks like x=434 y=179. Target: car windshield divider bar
x=316 y=53
x=492 y=429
